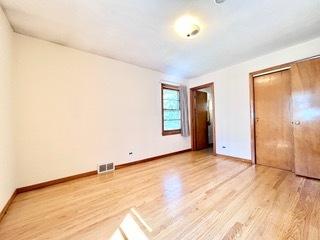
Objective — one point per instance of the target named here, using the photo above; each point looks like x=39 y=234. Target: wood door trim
x=285 y=65
x=202 y=86
x=192 y=115
x=251 y=96
x=272 y=71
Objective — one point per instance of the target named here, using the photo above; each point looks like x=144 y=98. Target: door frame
x=192 y=115
x=252 y=75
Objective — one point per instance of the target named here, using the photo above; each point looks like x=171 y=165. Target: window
x=171 y=117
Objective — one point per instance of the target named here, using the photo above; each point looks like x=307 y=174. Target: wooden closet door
x=306 y=117
x=273 y=127
x=201 y=120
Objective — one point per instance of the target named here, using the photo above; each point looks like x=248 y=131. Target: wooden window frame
x=168 y=132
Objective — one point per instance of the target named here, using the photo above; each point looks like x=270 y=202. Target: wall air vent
x=105 y=167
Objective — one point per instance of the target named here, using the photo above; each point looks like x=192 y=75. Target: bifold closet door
x=273 y=128
x=306 y=117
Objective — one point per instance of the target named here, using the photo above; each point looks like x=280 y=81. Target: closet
x=286 y=106
x=274 y=136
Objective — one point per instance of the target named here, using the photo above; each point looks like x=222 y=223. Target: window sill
x=173 y=132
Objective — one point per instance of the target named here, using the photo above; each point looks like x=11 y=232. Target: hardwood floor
x=188 y=196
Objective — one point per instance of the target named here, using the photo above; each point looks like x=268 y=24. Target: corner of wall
x=7 y=157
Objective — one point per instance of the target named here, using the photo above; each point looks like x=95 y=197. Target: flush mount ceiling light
x=219 y=1
x=187 y=26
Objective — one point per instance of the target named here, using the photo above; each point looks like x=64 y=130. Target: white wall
x=232 y=109
x=75 y=109
x=7 y=178
x=210 y=110
x=210 y=106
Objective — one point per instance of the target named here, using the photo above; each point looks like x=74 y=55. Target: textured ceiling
x=141 y=31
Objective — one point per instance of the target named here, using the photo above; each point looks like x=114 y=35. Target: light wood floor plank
x=188 y=196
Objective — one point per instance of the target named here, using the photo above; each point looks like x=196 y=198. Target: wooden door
x=273 y=120
x=201 y=112
x=306 y=117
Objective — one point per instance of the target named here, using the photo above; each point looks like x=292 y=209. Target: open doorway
x=202 y=117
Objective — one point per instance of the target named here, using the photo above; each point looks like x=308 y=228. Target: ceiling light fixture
x=187 y=26
x=219 y=1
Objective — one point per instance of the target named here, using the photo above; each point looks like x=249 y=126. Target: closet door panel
x=201 y=120
x=306 y=117
x=273 y=128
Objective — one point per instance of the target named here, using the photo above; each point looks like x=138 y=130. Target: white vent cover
x=105 y=167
